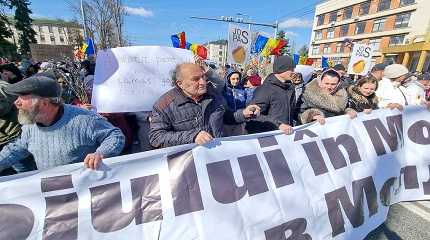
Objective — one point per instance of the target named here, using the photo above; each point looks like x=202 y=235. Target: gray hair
x=55 y=101
x=52 y=100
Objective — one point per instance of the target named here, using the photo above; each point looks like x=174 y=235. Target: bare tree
x=103 y=21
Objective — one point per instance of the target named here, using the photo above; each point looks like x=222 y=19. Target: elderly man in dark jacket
x=191 y=111
x=276 y=98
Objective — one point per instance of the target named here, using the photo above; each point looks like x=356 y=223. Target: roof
x=51 y=22
x=218 y=42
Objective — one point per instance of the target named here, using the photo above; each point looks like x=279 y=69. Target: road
x=406 y=221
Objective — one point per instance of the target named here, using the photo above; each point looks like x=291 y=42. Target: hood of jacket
x=227 y=79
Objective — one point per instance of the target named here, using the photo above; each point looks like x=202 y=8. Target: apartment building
x=217 y=51
x=380 y=23
x=51 y=32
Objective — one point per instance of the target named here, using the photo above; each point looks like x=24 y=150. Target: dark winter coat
x=277 y=102
x=177 y=119
x=358 y=102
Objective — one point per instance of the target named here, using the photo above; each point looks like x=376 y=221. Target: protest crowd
x=47 y=120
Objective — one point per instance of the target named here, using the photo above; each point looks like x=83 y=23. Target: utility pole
x=83 y=19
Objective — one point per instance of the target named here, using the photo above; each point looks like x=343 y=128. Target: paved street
x=408 y=221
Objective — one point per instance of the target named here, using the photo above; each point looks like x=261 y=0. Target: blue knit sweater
x=77 y=133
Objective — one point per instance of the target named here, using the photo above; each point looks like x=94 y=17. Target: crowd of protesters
x=46 y=118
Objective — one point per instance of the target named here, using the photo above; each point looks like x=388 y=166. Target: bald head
x=191 y=79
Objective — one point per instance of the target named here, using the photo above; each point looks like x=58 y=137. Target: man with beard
x=56 y=133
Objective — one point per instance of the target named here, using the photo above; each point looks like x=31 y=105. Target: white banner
x=131 y=79
x=239 y=45
x=361 y=59
x=330 y=182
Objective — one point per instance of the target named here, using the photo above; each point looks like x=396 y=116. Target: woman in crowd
x=235 y=93
x=362 y=97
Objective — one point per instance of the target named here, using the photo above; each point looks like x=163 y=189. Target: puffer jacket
x=177 y=119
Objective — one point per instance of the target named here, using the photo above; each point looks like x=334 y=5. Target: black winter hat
x=283 y=64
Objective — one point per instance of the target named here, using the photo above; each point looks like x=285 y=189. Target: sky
x=152 y=22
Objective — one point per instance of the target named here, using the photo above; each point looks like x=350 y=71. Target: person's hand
x=93 y=160
x=395 y=106
x=367 y=111
x=251 y=111
x=351 y=113
x=287 y=129
x=319 y=119
x=203 y=137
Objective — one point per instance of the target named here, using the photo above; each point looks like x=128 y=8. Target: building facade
x=51 y=32
x=382 y=24
x=217 y=52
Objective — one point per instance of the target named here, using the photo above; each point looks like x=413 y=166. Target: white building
x=217 y=52
x=51 y=32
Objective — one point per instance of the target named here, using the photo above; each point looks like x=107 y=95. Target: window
x=343 y=30
x=359 y=29
x=333 y=17
x=220 y=53
x=318 y=35
x=41 y=29
x=406 y=2
x=61 y=39
x=378 y=25
x=347 y=13
x=364 y=8
x=50 y=29
x=397 y=40
x=53 y=39
x=339 y=47
x=220 y=59
x=42 y=38
x=61 y=30
x=315 y=50
x=375 y=44
x=320 y=20
x=402 y=20
x=330 y=33
x=384 y=5
x=326 y=49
